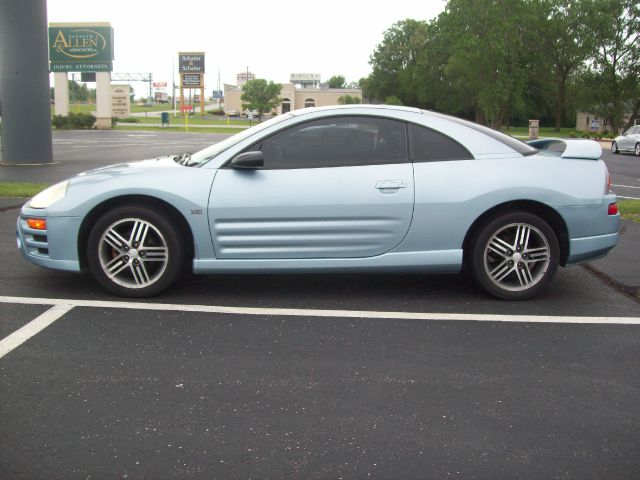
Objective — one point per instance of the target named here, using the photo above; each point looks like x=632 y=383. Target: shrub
x=573 y=135
x=216 y=112
x=74 y=121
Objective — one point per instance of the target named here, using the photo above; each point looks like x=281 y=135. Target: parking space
x=311 y=376
x=16 y=316
x=173 y=393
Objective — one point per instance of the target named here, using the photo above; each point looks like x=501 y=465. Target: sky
x=273 y=38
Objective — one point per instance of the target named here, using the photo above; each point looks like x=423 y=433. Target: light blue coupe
x=338 y=189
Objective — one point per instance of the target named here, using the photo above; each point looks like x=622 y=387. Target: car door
x=335 y=187
x=634 y=137
x=627 y=141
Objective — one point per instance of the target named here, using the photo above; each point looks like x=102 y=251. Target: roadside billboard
x=80 y=47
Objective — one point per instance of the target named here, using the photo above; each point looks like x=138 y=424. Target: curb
x=10 y=207
x=631 y=292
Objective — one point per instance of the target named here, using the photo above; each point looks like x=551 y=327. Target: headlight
x=50 y=195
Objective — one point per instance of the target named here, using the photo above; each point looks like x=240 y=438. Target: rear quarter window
x=427 y=145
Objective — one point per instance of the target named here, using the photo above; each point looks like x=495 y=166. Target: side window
x=336 y=142
x=430 y=146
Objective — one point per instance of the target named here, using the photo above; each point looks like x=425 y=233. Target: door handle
x=390 y=185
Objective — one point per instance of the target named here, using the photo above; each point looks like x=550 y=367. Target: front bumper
x=56 y=247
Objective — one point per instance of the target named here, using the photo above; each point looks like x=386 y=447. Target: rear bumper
x=591 y=248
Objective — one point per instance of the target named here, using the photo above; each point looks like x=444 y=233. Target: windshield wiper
x=182 y=159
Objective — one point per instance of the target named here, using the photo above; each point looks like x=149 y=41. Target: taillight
x=613 y=209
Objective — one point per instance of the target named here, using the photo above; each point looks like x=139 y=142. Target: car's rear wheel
x=135 y=251
x=515 y=255
x=614 y=147
x=637 y=149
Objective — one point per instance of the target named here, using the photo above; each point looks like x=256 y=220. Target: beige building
x=292 y=97
x=590 y=122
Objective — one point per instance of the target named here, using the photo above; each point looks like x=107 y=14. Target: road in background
x=77 y=151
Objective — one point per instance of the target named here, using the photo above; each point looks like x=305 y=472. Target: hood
x=129 y=168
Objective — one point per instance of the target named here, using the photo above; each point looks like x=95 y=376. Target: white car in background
x=629 y=141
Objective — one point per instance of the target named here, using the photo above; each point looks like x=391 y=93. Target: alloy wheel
x=516 y=257
x=133 y=253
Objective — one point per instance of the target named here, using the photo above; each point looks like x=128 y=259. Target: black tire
x=515 y=255
x=637 y=150
x=140 y=247
x=614 y=147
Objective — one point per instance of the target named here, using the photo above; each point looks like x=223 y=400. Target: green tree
x=349 y=100
x=566 y=45
x=394 y=63
x=490 y=54
x=78 y=91
x=337 y=81
x=260 y=95
x=614 y=69
x=393 y=100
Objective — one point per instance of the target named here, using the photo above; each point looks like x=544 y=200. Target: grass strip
x=629 y=209
x=21 y=190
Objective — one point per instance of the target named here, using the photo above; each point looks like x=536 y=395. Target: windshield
x=203 y=156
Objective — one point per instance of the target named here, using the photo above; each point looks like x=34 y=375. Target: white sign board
x=120 y=101
x=305 y=77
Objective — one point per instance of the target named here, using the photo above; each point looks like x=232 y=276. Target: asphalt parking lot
x=310 y=376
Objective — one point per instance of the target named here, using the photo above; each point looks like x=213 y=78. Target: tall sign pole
x=191 y=69
x=24 y=83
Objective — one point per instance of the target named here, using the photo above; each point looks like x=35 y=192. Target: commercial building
x=294 y=96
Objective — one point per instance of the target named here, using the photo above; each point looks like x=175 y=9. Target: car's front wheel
x=614 y=147
x=515 y=255
x=135 y=251
x=637 y=149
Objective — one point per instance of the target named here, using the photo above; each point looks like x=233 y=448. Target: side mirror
x=248 y=161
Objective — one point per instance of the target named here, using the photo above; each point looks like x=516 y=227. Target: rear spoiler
x=573 y=148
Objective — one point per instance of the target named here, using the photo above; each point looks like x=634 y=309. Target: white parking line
x=20 y=336
x=296 y=312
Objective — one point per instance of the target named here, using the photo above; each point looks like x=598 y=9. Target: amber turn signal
x=37 y=223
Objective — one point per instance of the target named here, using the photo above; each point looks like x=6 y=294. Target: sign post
x=186 y=109
x=191 y=69
x=120 y=101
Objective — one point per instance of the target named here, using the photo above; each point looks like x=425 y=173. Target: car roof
x=357 y=106
x=478 y=139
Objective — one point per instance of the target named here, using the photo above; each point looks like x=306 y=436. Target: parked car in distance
x=354 y=188
x=629 y=141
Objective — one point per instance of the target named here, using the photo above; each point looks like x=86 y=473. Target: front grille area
x=35 y=241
